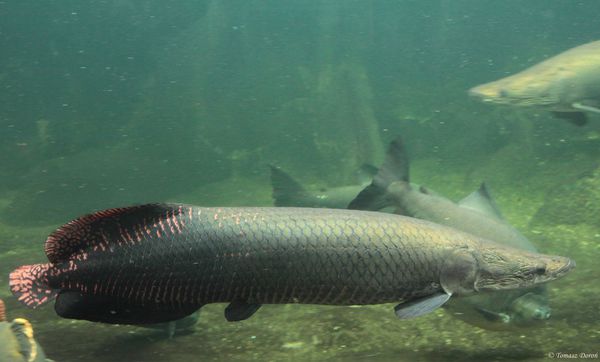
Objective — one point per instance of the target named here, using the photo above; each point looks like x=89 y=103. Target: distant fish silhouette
x=288 y=192
x=568 y=85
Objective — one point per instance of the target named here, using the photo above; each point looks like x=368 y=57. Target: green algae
x=573 y=203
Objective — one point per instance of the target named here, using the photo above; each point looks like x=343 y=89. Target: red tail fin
x=29 y=283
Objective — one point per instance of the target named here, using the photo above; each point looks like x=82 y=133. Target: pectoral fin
x=184 y=325
x=238 y=311
x=583 y=107
x=493 y=316
x=170 y=328
x=421 y=306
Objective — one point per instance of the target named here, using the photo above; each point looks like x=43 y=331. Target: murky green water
x=111 y=103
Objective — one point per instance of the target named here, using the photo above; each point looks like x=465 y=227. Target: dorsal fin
x=395 y=168
x=286 y=190
x=102 y=228
x=481 y=201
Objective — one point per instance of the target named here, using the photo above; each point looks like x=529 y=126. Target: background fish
x=288 y=192
x=17 y=343
x=161 y=262
x=476 y=214
x=567 y=84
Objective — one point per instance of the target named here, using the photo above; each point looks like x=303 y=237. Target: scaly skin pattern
x=191 y=256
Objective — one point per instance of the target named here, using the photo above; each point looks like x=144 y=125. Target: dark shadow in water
x=141 y=345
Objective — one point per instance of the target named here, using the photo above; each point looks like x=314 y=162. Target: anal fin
x=238 y=311
x=184 y=325
x=75 y=305
x=421 y=306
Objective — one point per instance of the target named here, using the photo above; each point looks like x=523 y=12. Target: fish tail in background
x=29 y=283
x=395 y=168
x=286 y=190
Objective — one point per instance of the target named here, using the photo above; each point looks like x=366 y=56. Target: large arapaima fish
x=161 y=262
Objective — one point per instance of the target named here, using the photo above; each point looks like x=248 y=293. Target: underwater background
x=111 y=103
